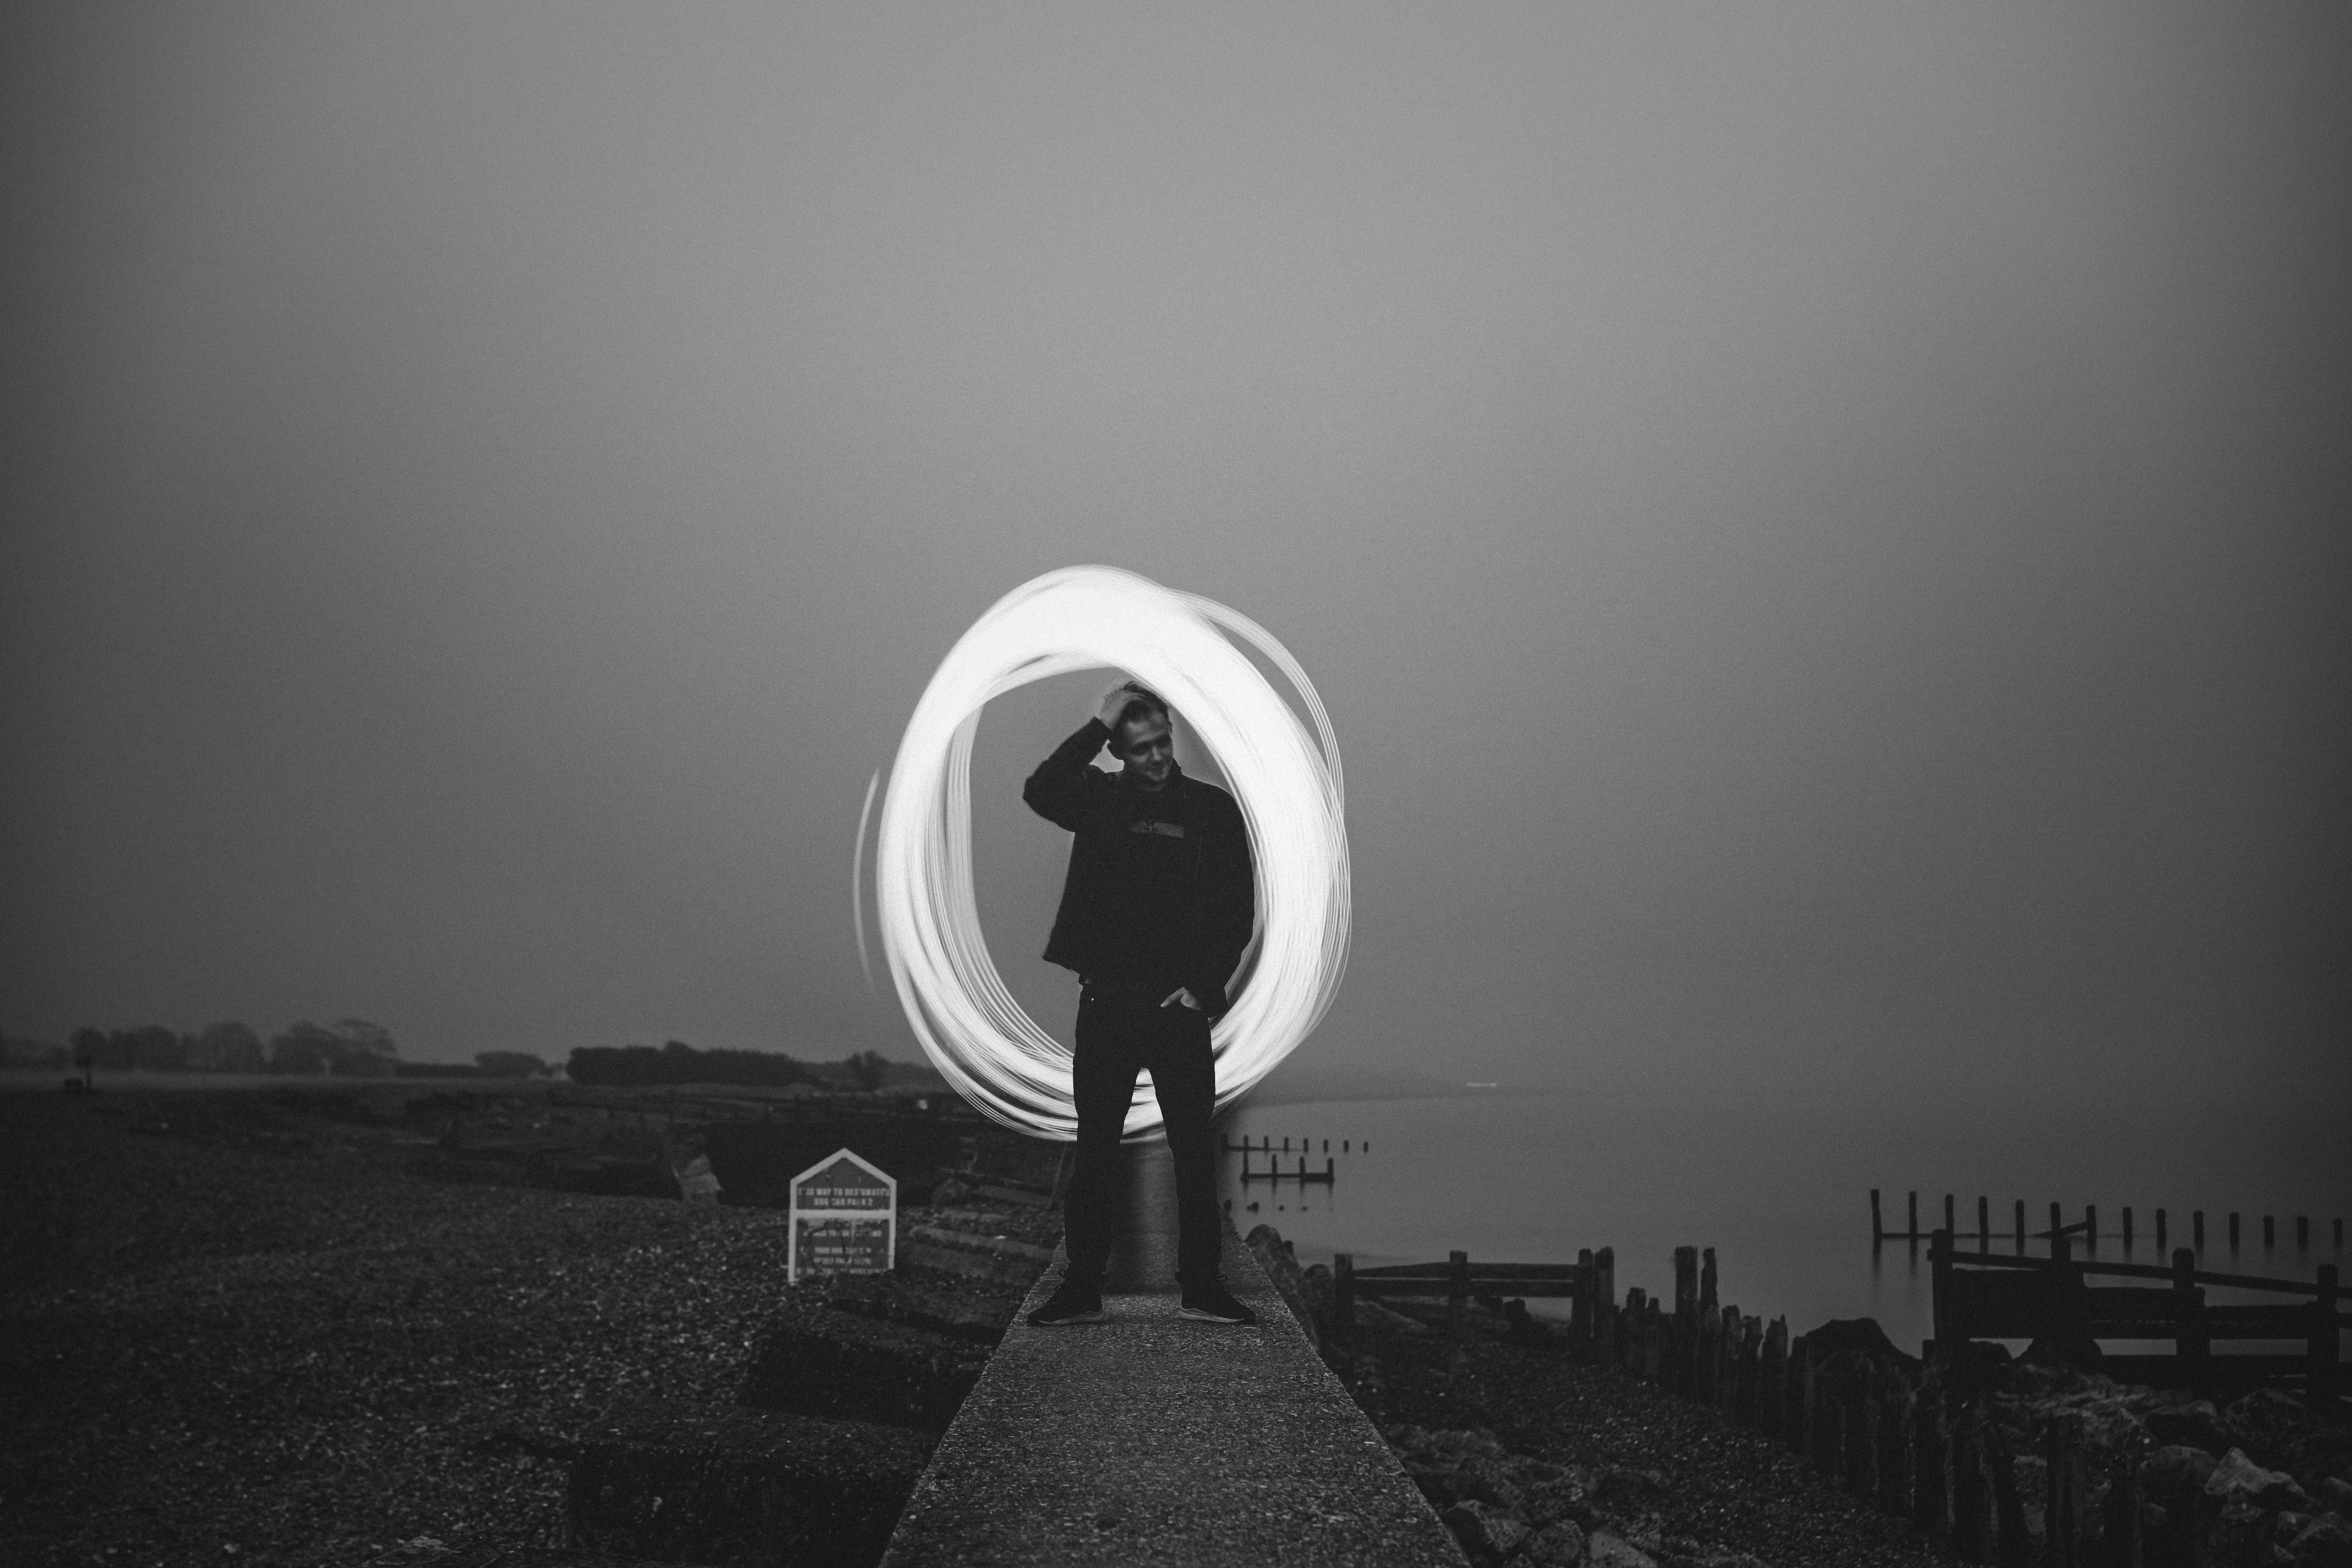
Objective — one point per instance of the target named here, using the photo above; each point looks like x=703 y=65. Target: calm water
x=1783 y=1197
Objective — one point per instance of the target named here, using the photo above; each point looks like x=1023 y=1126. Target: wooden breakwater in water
x=2086 y=1230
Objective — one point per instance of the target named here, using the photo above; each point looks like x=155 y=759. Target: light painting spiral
x=1286 y=779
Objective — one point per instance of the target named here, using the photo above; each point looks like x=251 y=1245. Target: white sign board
x=844 y=1218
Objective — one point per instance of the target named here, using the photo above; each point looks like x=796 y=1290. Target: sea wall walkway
x=1156 y=1439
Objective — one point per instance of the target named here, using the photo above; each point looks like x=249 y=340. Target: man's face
x=1145 y=746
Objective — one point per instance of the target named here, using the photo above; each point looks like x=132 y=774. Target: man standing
x=1157 y=907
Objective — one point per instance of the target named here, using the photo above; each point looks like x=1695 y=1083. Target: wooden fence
x=1983 y=1297
x=1587 y=1283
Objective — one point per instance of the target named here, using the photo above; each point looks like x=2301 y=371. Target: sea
x=1782 y=1195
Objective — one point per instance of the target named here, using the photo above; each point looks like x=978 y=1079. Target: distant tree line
x=350 y=1047
x=631 y=1066
x=354 y=1048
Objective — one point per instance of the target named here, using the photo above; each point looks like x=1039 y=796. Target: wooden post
x=2020 y=1225
x=1828 y=1421
x=1951 y=1334
x=1772 y=1382
x=1677 y=1352
x=1984 y=1224
x=1972 y=1499
x=1877 y=1226
x=2009 y=1509
x=2270 y=1231
x=2234 y=1230
x=2159 y=1230
x=1581 y=1305
x=1604 y=1296
x=2302 y=1233
x=1744 y=1397
x=2190 y=1344
x=1343 y=1296
x=1707 y=1302
x=1948 y=1223
x=2057 y=1229
x=1911 y=1229
x=2126 y=1536
x=2063 y=1512
x=1858 y=1425
x=2321 y=1375
x=1931 y=1464
x=2197 y=1230
x=2090 y=1227
x=1896 y=1400
x=1457 y=1297
x=1797 y=1431
x=1726 y=1364
x=2127 y=1227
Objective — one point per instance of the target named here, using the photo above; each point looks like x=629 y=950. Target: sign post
x=844 y=1211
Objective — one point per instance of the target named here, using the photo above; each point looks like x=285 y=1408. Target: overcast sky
x=1823 y=529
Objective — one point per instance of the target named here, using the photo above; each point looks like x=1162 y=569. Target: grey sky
x=1823 y=529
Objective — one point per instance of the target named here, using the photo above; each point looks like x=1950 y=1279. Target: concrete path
x=1154 y=1439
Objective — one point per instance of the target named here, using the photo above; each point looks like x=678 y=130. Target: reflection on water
x=1783 y=1197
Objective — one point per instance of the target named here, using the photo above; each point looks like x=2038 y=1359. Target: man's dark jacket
x=1100 y=809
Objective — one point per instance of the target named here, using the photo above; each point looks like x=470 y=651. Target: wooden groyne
x=1983 y=1297
x=2087 y=1228
x=1274 y=1173
x=1929 y=1439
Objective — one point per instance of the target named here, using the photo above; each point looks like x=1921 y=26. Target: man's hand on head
x=1114 y=702
x=1181 y=996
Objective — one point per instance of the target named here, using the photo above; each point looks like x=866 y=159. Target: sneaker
x=1213 y=1303
x=1070 y=1304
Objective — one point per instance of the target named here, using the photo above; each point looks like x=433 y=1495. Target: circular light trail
x=1286 y=779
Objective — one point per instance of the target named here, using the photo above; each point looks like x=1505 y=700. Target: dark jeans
x=1118 y=1037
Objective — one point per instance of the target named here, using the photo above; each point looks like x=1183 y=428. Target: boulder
x=2195 y=1424
x=2319 y=1538
x=2068 y=1353
x=2175 y=1471
x=1475 y=1441
x=2265 y=1421
x=1433 y=1474
x=1405 y=1437
x=1558 y=1543
x=1480 y=1478
x=2237 y=1536
x=2237 y=1479
x=1858 y=1337
x=1604 y=1550
x=1566 y=1499
x=1487 y=1534
x=1624 y=1489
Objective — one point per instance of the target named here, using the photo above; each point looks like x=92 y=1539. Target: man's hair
x=1144 y=703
